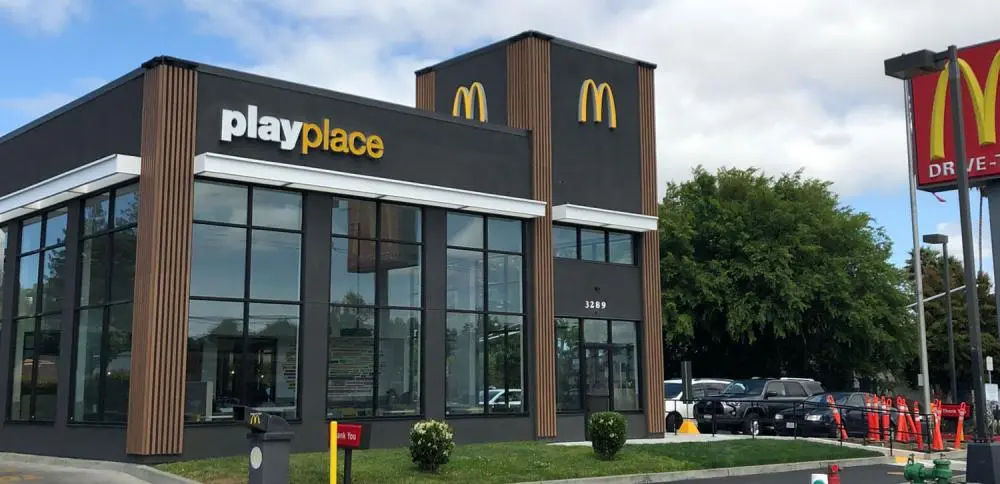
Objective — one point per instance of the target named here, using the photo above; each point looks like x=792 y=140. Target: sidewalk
x=58 y=470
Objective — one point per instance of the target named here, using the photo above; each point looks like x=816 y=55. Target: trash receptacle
x=270 y=444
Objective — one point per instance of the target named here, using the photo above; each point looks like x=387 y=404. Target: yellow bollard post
x=333 y=452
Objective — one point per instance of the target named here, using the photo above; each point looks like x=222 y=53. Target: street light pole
x=951 y=333
x=971 y=292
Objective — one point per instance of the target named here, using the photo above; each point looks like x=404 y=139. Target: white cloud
x=31 y=107
x=956 y=248
x=46 y=16
x=777 y=84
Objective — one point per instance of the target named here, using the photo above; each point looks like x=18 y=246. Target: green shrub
x=607 y=432
x=431 y=443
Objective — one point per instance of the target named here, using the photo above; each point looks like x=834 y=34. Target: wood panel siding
x=529 y=101
x=160 y=317
x=425 y=91
x=652 y=319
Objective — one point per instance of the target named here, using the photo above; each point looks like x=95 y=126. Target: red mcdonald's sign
x=932 y=126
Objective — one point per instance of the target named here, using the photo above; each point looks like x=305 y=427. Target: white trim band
x=88 y=178
x=599 y=217
x=228 y=167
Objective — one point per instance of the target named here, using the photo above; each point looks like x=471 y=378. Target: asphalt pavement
x=881 y=474
x=11 y=472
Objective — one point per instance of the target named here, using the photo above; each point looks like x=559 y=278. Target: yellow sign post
x=333 y=452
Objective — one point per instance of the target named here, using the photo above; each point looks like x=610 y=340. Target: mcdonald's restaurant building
x=187 y=239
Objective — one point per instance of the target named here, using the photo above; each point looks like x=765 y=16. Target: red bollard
x=833 y=474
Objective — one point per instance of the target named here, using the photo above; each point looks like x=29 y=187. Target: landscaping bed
x=527 y=461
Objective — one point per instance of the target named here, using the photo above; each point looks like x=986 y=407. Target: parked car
x=677 y=407
x=750 y=405
x=814 y=417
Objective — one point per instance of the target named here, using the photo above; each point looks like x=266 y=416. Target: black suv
x=750 y=405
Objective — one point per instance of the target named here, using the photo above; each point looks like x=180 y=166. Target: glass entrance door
x=597 y=384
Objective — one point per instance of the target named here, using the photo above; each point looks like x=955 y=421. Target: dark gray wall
x=571 y=427
x=593 y=165
x=419 y=146
x=490 y=69
x=104 y=123
x=577 y=281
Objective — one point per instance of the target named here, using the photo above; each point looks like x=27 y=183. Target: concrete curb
x=146 y=473
x=719 y=473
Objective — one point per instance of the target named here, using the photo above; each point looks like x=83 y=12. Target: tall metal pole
x=917 y=267
x=951 y=334
x=965 y=217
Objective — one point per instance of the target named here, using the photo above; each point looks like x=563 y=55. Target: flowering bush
x=431 y=443
x=607 y=433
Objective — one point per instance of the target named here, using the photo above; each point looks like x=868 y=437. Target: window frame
x=246 y=300
x=483 y=316
x=633 y=242
x=609 y=345
x=106 y=306
x=377 y=308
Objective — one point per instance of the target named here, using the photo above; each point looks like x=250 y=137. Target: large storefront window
x=41 y=281
x=103 y=357
x=3 y=264
x=243 y=329
x=485 y=315
x=597 y=365
x=375 y=318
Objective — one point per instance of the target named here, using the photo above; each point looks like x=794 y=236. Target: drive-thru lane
x=879 y=474
x=16 y=473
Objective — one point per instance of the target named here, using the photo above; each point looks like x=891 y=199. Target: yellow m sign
x=984 y=105
x=463 y=101
x=590 y=87
x=255 y=419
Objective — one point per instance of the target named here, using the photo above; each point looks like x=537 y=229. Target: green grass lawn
x=527 y=461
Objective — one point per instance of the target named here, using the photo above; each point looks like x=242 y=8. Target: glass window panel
x=350 y=383
x=465 y=230
x=621 y=248
x=592 y=245
x=504 y=283
x=464 y=364
x=218 y=261
x=625 y=365
x=94 y=259
x=400 y=222
x=54 y=279
x=123 y=265
x=273 y=358
x=31 y=234
x=87 y=377
x=503 y=364
x=47 y=359
x=568 y=396
x=27 y=279
x=126 y=205
x=95 y=213
x=275 y=265
x=465 y=280
x=504 y=234
x=55 y=227
x=353 y=272
x=399 y=362
x=3 y=262
x=400 y=264
x=355 y=218
x=118 y=364
x=595 y=331
x=220 y=202
x=21 y=371
x=564 y=241
x=277 y=208
x=214 y=360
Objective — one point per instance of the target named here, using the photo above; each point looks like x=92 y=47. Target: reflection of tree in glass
x=503 y=349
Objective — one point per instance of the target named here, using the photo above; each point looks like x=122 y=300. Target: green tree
x=765 y=276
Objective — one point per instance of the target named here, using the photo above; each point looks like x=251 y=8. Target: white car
x=676 y=409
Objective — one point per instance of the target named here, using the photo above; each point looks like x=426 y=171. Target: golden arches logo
x=599 y=91
x=255 y=419
x=463 y=101
x=984 y=105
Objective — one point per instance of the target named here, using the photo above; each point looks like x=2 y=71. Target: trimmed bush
x=431 y=443
x=607 y=432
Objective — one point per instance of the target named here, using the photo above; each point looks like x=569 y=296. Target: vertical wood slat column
x=425 y=91
x=162 y=273
x=529 y=101
x=651 y=312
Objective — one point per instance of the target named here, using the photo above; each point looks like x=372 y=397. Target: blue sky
x=839 y=119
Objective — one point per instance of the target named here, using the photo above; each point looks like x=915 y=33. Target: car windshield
x=672 y=390
x=839 y=397
x=744 y=387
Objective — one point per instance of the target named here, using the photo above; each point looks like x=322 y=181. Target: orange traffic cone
x=960 y=431
x=917 y=427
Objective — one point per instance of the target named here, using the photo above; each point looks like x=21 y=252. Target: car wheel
x=674 y=421
x=752 y=425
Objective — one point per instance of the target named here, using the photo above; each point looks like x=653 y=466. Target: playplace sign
x=304 y=136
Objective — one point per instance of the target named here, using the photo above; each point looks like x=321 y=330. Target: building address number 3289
x=595 y=304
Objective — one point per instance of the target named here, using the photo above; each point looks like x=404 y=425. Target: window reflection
x=593 y=245
x=607 y=361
